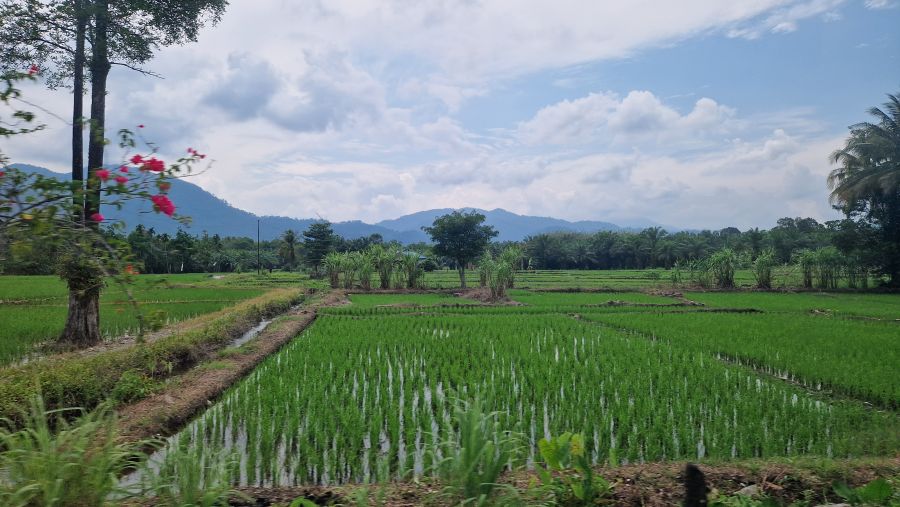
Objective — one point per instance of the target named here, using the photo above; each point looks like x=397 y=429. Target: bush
x=721 y=265
x=132 y=385
x=762 y=269
x=52 y=462
x=474 y=460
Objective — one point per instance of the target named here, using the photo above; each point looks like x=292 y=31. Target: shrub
x=567 y=472
x=51 y=462
x=474 y=459
x=762 y=269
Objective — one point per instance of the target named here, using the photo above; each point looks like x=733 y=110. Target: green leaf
x=578 y=490
x=844 y=491
x=550 y=453
x=545 y=476
x=876 y=492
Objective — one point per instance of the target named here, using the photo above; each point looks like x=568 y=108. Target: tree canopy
x=866 y=185
x=318 y=241
x=461 y=237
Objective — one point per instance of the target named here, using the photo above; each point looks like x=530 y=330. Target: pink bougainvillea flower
x=137 y=159
x=153 y=164
x=121 y=180
x=162 y=204
x=123 y=169
x=141 y=126
x=103 y=174
x=97 y=217
x=34 y=69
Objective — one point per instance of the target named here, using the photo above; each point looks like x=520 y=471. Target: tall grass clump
x=721 y=265
x=762 y=269
x=475 y=453
x=498 y=274
x=385 y=260
x=188 y=477
x=51 y=462
x=412 y=270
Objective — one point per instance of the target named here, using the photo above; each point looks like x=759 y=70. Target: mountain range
x=215 y=216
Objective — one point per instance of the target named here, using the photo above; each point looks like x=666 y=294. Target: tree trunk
x=462 y=275
x=97 y=142
x=78 y=113
x=83 y=320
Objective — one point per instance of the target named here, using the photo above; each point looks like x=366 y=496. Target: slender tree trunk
x=84 y=282
x=462 y=275
x=78 y=112
x=99 y=73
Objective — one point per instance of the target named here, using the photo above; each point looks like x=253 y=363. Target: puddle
x=252 y=333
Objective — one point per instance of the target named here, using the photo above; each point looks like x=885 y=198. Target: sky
x=691 y=114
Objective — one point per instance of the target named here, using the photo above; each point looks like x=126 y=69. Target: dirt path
x=649 y=484
x=185 y=395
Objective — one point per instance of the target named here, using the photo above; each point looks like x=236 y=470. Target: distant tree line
x=653 y=247
x=790 y=241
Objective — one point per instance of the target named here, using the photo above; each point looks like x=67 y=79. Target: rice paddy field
x=366 y=393
x=782 y=277
x=33 y=308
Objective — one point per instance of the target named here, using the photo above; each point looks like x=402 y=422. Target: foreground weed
x=185 y=478
x=877 y=492
x=567 y=472
x=475 y=455
x=51 y=462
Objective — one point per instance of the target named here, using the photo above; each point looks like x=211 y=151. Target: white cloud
x=880 y=4
x=785 y=19
x=638 y=118
x=348 y=109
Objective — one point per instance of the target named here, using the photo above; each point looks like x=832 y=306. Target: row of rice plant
x=846 y=304
x=851 y=357
x=359 y=399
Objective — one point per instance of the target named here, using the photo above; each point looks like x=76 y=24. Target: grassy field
x=616 y=279
x=33 y=308
x=402 y=300
x=367 y=391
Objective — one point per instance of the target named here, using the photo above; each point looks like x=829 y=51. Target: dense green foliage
x=460 y=237
x=866 y=187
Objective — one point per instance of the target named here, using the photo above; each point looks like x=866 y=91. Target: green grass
x=33 y=308
x=74 y=380
x=885 y=306
x=570 y=299
x=375 y=300
x=614 y=279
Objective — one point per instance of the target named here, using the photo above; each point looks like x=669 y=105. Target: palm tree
x=867 y=180
x=870 y=161
x=288 y=250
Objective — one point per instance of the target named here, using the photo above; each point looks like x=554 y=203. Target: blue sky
x=696 y=114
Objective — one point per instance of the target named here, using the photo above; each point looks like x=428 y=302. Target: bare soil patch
x=650 y=484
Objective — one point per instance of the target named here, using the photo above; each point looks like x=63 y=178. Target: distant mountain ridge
x=215 y=216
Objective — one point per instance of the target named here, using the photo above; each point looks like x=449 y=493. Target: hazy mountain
x=216 y=216
x=512 y=227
